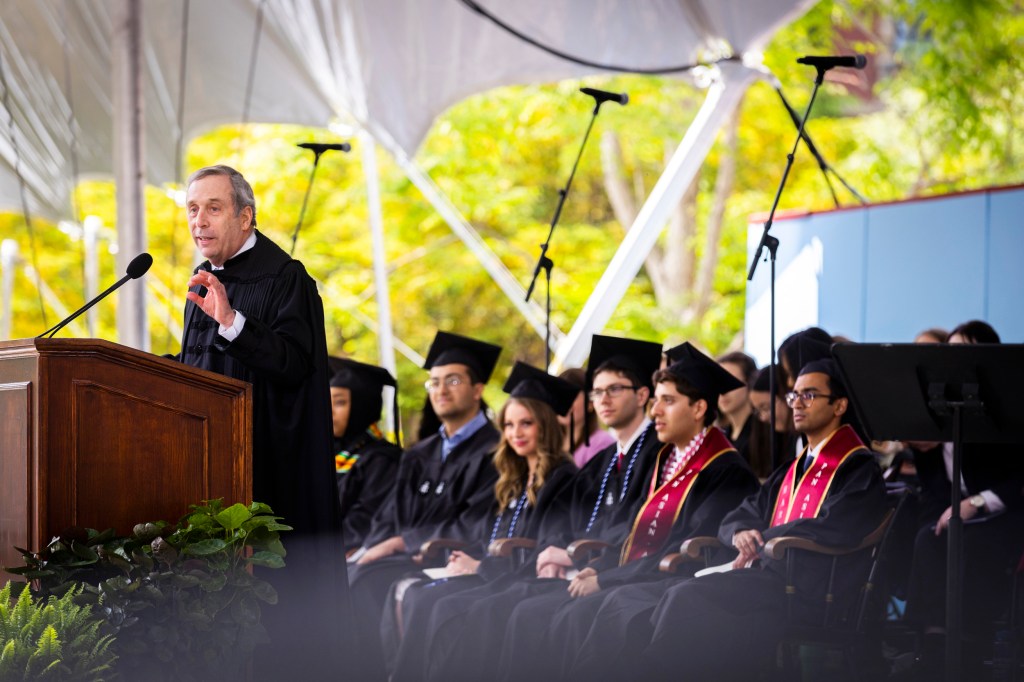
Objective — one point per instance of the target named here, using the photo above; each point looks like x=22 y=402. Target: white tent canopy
x=390 y=66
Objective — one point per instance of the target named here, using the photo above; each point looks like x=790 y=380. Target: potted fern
x=52 y=639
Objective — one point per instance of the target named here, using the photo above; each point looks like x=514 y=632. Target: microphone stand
x=544 y=262
x=305 y=199
x=822 y=164
x=772 y=244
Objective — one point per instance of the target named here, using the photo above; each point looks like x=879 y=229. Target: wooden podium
x=99 y=435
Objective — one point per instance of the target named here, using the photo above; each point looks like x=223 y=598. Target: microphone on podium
x=137 y=268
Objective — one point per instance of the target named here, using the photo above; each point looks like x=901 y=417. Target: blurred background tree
x=937 y=110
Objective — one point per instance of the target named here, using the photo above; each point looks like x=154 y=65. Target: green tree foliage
x=938 y=111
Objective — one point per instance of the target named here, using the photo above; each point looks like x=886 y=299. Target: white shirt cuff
x=993 y=504
x=231 y=333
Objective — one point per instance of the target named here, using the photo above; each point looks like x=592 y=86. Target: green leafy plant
x=53 y=640
x=184 y=596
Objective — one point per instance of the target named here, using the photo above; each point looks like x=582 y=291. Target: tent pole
x=533 y=313
x=8 y=262
x=385 y=332
x=723 y=97
x=129 y=167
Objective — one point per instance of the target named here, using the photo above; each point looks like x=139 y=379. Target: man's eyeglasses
x=806 y=398
x=450 y=381
x=613 y=391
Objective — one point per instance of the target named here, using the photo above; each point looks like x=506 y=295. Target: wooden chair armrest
x=504 y=547
x=693 y=548
x=670 y=563
x=433 y=549
x=580 y=551
x=776 y=547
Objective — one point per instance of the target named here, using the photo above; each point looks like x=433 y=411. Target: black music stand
x=938 y=392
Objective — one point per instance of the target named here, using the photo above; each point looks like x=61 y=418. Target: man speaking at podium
x=253 y=313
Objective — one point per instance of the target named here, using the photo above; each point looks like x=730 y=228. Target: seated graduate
x=787 y=440
x=439 y=479
x=601 y=504
x=700 y=478
x=748 y=434
x=364 y=461
x=612 y=484
x=833 y=494
x=799 y=348
x=533 y=470
x=992 y=507
x=583 y=435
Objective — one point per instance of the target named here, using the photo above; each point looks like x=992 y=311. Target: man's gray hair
x=241 y=189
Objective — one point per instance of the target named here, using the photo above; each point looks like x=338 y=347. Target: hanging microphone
x=321 y=147
x=853 y=61
x=604 y=96
x=137 y=268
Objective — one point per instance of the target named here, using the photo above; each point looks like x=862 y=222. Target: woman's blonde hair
x=512 y=469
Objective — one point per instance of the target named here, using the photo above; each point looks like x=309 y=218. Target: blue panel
x=793 y=235
x=888 y=272
x=841 y=285
x=925 y=266
x=1005 y=269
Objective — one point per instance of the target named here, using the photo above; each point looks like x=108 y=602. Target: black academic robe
x=753 y=445
x=364 y=488
x=555 y=626
x=992 y=543
x=603 y=516
x=429 y=493
x=432 y=631
x=607 y=514
x=697 y=622
x=282 y=352
x=428 y=496
x=742 y=440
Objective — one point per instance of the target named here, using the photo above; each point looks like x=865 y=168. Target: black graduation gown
x=554 y=629
x=742 y=441
x=427 y=496
x=431 y=609
x=608 y=515
x=698 y=622
x=991 y=543
x=364 y=488
x=429 y=493
x=591 y=513
x=282 y=352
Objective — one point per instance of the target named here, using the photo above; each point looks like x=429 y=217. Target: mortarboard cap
x=810 y=344
x=761 y=383
x=829 y=367
x=641 y=357
x=366 y=383
x=449 y=348
x=527 y=381
x=709 y=377
x=360 y=376
x=676 y=353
